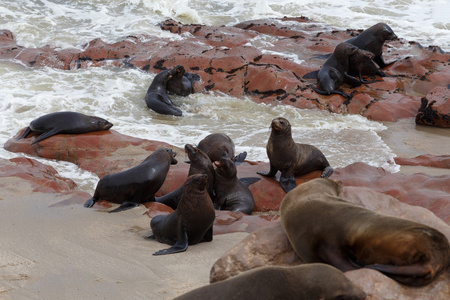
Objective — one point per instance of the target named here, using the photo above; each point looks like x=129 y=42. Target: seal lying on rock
x=65 y=122
x=322 y=227
x=306 y=282
x=136 y=185
x=231 y=193
x=192 y=221
x=157 y=98
x=291 y=158
x=217 y=145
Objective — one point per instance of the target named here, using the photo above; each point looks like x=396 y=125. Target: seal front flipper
x=45 y=135
x=208 y=235
x=180 y=246
x=414 y=275
x=287 y=182
x=90 y=202
x=151 y=237
x=326 y=172
x=271 y=172
x=171 y=199
x=125 y=206
x=249 y=180
x=311 y=75
x=238 y=159
x=24 y=135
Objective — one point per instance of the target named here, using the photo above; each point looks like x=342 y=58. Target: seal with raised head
x=179 y=84
x=306 y=282
x=67 y=122
x=291 y=158
x=137 y=185
x=334 y=71
x=230 y=192
x=199 y=164
x=157 y=98
x=322 y=227
x=217 y=145
x=192 y=221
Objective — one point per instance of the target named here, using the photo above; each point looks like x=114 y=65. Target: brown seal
x=230 y=192
x=334 y=71
x=192 y=221
x=65 y=122
x=199 y=164
x=322 y=227
x=136 y=185
x=217 y=145
x=308 y=282
x=291 y=158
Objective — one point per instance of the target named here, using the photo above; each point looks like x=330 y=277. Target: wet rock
x=426 y=160
x=435 y=108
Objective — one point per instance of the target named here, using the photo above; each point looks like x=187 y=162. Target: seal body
x=199 y=164
x=291 y=158
x=157 y=98
x=217 y=145
x=231 y=193
x=321 y=227
x=136 y=185
x=192 y=221
x=65 y=122
x=306 y=282
x=179 y=84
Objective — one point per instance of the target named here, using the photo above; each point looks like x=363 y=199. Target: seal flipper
x=45 y=135
x=287 y=182
x=311 y=75
x=326 y=172
x=415 y=275
x=90 y=202
x=208 y=235
x=271 y=172
x=171 y=199
x=125 y=206
x=24 y=135
x=180 y=246
x=238 y=159
x=249 y=180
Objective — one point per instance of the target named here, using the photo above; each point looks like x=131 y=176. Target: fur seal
x=292 y=158
x=306 y=282
x=217 y=145
x=179 y=84
x=65 y=122
x=324 y=228
x=136 y=185
x=334 y=71
x=231 y=193
x=192 y=221
x=199 y=164
x=157 y=98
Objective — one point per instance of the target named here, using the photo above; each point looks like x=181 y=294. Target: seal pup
x=68 y=122
x=230 y=192
x=136 y=185
x=179 y=84
x=192 y=221
x=322 y=227
x=217 y=145
x=199 y=164
x=334 y=71
x=291 y=158
x=157 y=98
x=306 y=282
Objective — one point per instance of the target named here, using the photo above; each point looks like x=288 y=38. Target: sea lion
x=306 y=282
x=136 y=185
x=231 y=193
x=68 y=122
x=322 y=227
x=192 y=221
x=334 y=71
x=292 y=158
x=217 y=145
x=179 y=84
x=157 y=98
x=199 y=164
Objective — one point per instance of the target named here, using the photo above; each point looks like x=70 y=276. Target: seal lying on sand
x=322 y=227
x=306 y=282
x=231 y=193
x=291 y=158
x=192 y=221
x=157 y=98
x=65 y=122
x=136 y=185
x=217 y=145
x=199 y=164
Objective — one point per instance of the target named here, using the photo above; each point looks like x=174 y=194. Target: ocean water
x=117 y=94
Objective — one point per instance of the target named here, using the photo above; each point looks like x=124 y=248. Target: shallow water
x=118 y=94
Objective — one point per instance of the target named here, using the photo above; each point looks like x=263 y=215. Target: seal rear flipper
x=180 y=246
x=90 y=202
x=238 y=159
x=287 y=182
x=171 y=199
x=24 y=135
x=326 y=172
x=125 y=206
x=416 y=275
x=45 y=135
x=249 y=180
x=311 y=75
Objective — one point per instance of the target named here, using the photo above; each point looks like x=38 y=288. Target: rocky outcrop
x=435 y=108
x=426 y=160
x=232 y=60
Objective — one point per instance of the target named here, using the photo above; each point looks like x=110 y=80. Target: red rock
x=435 y=108
x=427 y=160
